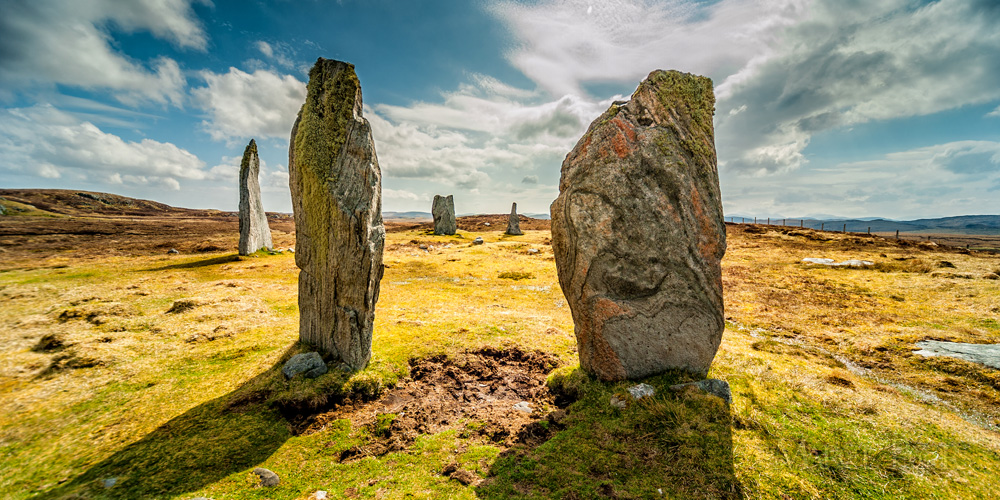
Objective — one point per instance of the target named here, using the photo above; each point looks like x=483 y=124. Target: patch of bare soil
x=476 y=394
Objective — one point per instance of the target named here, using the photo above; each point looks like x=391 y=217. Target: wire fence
x=818 y=225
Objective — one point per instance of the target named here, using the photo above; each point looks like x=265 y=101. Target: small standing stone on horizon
x=254 y=231
x=638 y=233
x=336 y=187
x=513 y=223
x=443 y=210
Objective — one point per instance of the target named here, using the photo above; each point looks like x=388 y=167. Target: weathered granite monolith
x=336 y=186
x=513 y=223
x=638 y=233
x=443 y=210
x=254 y=231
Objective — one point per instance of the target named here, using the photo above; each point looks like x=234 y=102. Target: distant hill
x=407 y=216
x=71 y=202
x=964 y=224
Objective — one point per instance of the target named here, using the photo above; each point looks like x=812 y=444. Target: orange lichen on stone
x=626 y=128
x=620 y=146
x=708 y=246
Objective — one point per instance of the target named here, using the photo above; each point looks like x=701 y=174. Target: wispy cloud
x=49 y=143
x=68 y=42
x=241 y=105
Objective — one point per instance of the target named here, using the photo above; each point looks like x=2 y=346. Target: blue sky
x=853 y=108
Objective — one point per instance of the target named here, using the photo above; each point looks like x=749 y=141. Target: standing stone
x=513 y=224
x=336 y=186
x=638 y=233
x=254 y=231
x=443 y=211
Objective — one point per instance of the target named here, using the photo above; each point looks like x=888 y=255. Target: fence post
x=768 y=221
x=845 y=229
x=869 y=230
x=897 y=234
x=822 y=226
x=801 y=222
x=782 y=222
x=754 y=220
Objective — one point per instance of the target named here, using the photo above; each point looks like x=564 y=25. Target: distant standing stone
x=513 y=223
x=254 y=231
x=336 y=187
x=478 y=240
x=638 y=233
x=267 y=478
x=443 y=210
x=310 y=364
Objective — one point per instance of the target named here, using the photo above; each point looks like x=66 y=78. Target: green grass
x=186 y=404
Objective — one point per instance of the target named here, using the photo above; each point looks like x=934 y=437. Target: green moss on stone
x=325 y=117
x=250 y=151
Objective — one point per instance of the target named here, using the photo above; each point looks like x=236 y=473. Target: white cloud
x=566 y=43
x=70 y=42
x=279 y=53
x=244 y=105
x=952 y=178
x=49 y=143
x=844 y=66
x=399 y=194
x=995 y=113
x=484 y=133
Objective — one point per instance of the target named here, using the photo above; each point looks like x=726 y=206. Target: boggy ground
x=163 y=373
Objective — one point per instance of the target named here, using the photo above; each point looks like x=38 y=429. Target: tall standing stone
x=513 y=223
x=638 y=233
x=254 y=231
x=336 y=186
x=443 y=210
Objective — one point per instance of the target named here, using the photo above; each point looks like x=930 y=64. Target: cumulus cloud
x=530 y=179
x=482 y=133
x=929 y=181
x=995 y=113
x=244 y=105
x=399 y=194
x=49 y=143
x=70 y=42
x=844 y=66
x=566 y=43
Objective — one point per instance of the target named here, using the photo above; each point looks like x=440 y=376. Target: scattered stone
x=557 y=417
x=523 y=406
x=532 y=251
x=831 y=262
x=638 y=233
x=478 y=240
x=310 y=364
x=443 y=210
x=422 y=246
x=487 y=224
x=254 y=231
x=641 y=391
x=336 y=187
x=292 y=250
x=182 y=305
x=618 y=401
x=319 y=495
x=109 y=482
x=172 y=251
x=513 y=223
x=712 y=386
x=267 y=478
x=983 y=354
x=463 y=476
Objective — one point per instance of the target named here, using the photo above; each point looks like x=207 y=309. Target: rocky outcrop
x=638 y=233
x=254 y=231
x=513 y=223
x=443 y=210
x=336 y=189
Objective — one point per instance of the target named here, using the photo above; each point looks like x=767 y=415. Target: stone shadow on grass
x=671 y=445
x=225 y=259
x=191 y=451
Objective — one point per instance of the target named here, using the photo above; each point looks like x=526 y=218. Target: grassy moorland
x=159 y=376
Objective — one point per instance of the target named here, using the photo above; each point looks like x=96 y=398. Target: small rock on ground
x=478 y=240
x=712 y=386
x=267 y=478
x=172 y=251
x=109 y=482
x=532 y=250
x=310 y=364
x=642 y=390
x=461 y=475
x=523 y=406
